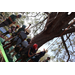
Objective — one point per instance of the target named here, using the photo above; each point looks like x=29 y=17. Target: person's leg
x=7 y=44
x=8 y=47
x=18 y=59
x=25 y=58
x=2 y=36
x=12 y=50
x=30 y=60
x=7 y=39
x=21 y=60
x=14 y=54
x=20 y=49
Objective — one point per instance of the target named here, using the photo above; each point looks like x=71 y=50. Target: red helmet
x=17 y=26
x=35 y=46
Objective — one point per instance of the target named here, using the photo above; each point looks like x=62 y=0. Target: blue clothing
x=21 y=29
x=20 y=39
x=24 y=44
x=23 y=35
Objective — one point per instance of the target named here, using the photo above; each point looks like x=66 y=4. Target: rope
x=62 y=32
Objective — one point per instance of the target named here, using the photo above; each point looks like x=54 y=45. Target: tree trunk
x=54 y=28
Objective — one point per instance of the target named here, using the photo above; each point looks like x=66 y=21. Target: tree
x=49 y=25
x=54 y=27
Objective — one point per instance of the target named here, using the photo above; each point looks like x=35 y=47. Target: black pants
x=5 y=23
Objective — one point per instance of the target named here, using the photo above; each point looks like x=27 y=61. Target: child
x=23 y=28
x=11 y=30
x=36 y=57
x=28 y=53
x=17 y=33
x=18 y=39
x=18 y=48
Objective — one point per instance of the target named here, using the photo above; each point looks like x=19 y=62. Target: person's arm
x=29 y=60
x=21 y=49
x=28 y=27
x=29 y=53
x=18 y=32
x=11 y=20
x=43 y=51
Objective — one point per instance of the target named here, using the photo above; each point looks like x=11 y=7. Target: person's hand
x=44 y=49
x=29 y=24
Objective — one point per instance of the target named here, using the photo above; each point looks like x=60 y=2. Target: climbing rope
x=62 y=33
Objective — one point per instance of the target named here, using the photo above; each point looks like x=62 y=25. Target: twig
x=39 y=22
x=65 y=48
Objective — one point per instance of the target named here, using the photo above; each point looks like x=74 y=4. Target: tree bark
x=54 y=28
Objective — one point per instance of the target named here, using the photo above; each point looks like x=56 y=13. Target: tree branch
x=68 y=25
x=39 y=22
x=68 y=31
x=57 y=20
x=33 y=16
x=65 y=48
x=67 y=20
x=50 y=19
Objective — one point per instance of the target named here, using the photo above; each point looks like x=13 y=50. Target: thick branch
x=39 y=22
x=67 y=20
x=51 y=17
x=68 y=25
x=56 y=22
x=68 y=31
